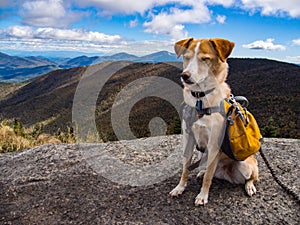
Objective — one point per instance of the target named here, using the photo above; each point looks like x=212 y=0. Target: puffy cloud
x=221 y=19
x=25 y=32
x=185 y=12
x=18 y=32
x=118 y=6
x=171 y=23
x=264 y=45
x=225 y=3
x=274 y=7
x=50 y=13
x=296 y=41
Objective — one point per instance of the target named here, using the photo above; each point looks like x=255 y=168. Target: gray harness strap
x=189 y=115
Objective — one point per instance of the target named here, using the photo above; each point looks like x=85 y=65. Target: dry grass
x=9 y=141
x=13 y=137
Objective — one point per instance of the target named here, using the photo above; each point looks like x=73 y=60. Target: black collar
x=201 y=94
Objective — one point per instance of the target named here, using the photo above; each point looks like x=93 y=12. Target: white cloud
x=186 y=12
x=274 y=7
x=172 y=23
x=55 y=34
x=225 y=3
x=296 y=41
x=50 y=13
x=264 y=45
x=18 y=32
x=118 y=6
x=221 y=19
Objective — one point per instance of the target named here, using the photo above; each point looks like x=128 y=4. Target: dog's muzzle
x=185 y=77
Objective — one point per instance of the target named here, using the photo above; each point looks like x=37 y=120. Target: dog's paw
x=177 y=190
x=201 y=199
x=250 y=188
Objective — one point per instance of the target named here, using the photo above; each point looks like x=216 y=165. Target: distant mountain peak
x=14 y=68
x=3 y=54
x=123 y=54
x=161 y=56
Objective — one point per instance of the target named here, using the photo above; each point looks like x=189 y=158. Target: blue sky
x=265 y=29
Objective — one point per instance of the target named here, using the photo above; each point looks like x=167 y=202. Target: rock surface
x=71 y=184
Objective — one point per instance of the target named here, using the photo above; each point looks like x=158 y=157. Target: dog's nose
x=185 y=76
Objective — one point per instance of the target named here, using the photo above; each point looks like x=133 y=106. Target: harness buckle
x=208 y=111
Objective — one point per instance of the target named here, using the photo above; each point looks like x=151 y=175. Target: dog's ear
x=181 y=46
x=223 y=47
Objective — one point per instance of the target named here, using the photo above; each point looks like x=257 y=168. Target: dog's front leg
x=183 y=180
x=213 y=159
x=188 y=147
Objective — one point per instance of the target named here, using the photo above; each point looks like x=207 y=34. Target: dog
x=204 y=72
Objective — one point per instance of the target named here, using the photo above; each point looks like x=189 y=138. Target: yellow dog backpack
x=242 y=135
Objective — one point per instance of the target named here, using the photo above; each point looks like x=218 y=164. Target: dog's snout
x=185 y=76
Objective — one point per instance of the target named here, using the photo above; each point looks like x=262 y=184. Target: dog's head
x=203 y=59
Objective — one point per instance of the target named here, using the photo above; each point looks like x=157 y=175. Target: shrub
x=14 y=137
x=270 y=130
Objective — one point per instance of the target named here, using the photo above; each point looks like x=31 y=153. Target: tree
x=176 y=126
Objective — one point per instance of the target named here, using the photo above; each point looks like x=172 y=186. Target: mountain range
x=19 y=69
x=271 y=87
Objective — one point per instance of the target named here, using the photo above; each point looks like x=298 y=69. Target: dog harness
x=199 y=105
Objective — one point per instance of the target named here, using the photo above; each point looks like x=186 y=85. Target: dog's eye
x=186 y=58
x=205 y=58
